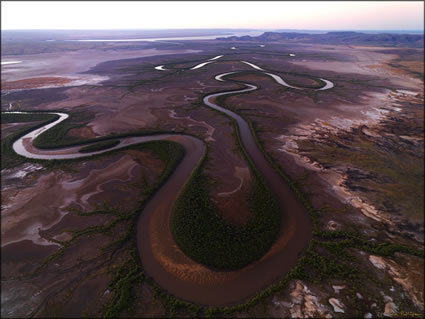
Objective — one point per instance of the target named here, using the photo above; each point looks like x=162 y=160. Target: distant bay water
x=199 y=37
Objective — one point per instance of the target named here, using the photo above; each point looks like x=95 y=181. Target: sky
x=311 y=15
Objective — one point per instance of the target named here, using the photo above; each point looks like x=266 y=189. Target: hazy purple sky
x=325 y=15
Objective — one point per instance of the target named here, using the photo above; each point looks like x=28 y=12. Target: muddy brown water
x=187 y=280
x=164 y=261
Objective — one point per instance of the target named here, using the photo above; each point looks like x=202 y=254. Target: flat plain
x=303 y=197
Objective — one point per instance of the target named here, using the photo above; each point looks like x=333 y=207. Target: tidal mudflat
x=329 y=136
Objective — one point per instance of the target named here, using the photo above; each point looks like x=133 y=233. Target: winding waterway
x=328 y=84
x=163 y=260
x=160 y=256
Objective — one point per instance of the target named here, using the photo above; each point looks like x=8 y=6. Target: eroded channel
x=186 y=279
x=160 y=256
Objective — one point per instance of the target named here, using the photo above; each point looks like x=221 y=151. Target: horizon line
x=257 y=29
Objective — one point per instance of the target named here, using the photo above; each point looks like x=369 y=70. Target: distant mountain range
x=345 y=37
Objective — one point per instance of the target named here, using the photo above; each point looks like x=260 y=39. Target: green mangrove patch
x=9 y=158
x=57 y=136
x=129 y=272
x=203 y=234
x=22 y=118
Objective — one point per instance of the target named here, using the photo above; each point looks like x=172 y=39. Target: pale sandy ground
x=315 y=121
x=372 y=109
x=376 y=108
x=407 y=271
x=365 y=62
x=69 y=64
x=136 y=110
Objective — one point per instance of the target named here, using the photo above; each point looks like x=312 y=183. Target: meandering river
x=160 y=256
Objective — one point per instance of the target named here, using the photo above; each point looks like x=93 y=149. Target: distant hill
x=345 y=37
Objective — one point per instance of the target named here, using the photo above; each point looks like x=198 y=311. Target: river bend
x=160 y=256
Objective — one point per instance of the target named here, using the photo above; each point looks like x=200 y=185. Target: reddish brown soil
x=82 y=132
x=33 y=83
x=117 y=189
x=274 y=110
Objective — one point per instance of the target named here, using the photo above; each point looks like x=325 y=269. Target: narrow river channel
x=160 y=256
